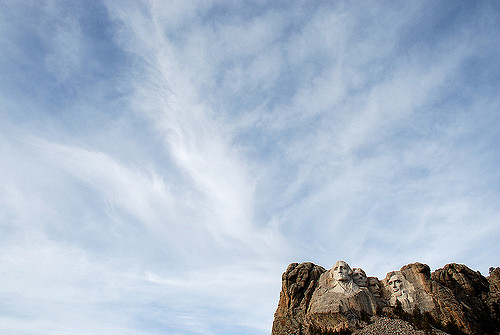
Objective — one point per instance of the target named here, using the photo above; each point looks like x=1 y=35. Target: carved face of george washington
x=341 y=271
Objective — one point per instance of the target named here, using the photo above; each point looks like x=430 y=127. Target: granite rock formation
x=343 y=300
x=297 y=286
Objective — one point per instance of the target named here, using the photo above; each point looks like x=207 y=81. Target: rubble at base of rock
x=385 y=326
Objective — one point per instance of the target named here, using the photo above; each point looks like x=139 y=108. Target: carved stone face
x=341 y=271
x=396 y=285
x=359 y=277
x=374 y=286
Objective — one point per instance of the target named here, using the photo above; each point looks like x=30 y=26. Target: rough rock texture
x=471 y=290
x=493 y=299
x=455 y=298
x=419 y=276
x=297 y=286
x=385 y=326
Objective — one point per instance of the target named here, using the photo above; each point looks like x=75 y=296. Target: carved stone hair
x=347 y=265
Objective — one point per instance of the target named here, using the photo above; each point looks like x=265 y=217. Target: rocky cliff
x=343 y=300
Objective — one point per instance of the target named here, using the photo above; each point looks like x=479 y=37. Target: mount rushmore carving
x=314 y=300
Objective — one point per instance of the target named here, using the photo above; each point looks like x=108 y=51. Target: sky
x=162 y=162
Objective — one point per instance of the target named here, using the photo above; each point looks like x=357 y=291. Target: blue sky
x=162 y=162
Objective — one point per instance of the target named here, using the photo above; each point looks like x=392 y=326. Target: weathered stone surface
x=359 y=277
x=298 y=284
x=454 y=298
x=493 y=299
x=397 y=289
x=432 y=296
x=410 y=286
x=340 y=300
x=494 y=280
x=467 y=300
x=375 y=288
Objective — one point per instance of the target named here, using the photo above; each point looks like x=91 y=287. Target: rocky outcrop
x=470 y=290
x=455 y=299
x=297 y=286
x=493 y=299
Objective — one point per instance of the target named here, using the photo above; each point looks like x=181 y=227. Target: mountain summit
x=344 y=300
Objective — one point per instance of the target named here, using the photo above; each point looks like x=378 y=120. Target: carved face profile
x=341 y=271
x=374 y=286
x=396 y=285
x=359 y=277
